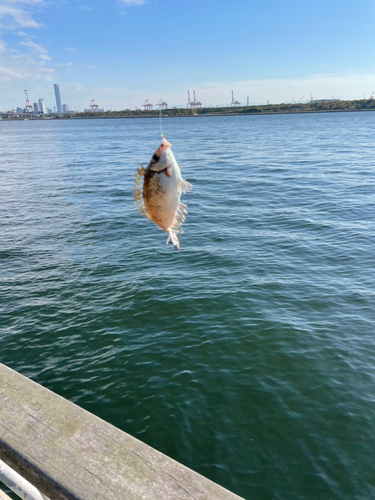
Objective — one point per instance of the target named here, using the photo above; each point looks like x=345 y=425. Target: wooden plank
x=70 y=454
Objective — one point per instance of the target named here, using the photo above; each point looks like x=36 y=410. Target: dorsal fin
x=138 y=191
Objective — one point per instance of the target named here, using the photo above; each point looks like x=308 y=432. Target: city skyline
x=147 y=105
x=127 y=51
x=39 y=107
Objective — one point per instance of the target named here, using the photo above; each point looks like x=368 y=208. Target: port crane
x=28 y=107
x=147 y=105
x=299 y=102
x=194 y=103
x=93 y=106
x=162 y=105
x=235 y=103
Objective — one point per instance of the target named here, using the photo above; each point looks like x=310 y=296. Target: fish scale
x=157 y=192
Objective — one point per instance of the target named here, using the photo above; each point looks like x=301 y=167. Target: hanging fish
x=157 y=192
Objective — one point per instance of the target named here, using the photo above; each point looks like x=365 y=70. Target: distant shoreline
x=324 y=106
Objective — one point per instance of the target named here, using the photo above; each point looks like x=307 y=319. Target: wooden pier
x=68 y=453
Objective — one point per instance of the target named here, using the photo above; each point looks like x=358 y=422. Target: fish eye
x=155 y=158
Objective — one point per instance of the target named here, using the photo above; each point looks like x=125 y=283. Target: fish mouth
x=162 y=153
x=163 y=148
x=157 y=156
x=165 y=142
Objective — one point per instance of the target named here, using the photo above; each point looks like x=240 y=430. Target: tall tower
x=58 y=98
x=42 y=108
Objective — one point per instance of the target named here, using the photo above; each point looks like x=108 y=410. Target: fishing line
x=159 y=59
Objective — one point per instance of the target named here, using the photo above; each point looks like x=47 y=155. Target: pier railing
x=68 y=453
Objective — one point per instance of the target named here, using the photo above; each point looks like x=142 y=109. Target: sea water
x=248 y=355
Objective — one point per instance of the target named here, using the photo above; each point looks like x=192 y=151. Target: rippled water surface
x=249 y=355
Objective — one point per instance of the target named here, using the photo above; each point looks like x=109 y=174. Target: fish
x=157 y=192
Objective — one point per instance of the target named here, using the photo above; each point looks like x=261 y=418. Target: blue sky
x=121 y=52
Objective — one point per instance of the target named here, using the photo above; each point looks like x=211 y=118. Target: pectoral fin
x=184 y=185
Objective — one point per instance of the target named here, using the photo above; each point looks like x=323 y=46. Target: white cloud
x=285 y=90
x=219 y=93
x=13 y=17
x=25 y=2
x=60 y=65
x=34 y=46
x=28 y=67
x=76 y=87
x=133 y=3
x=23 y=67
x=37 y=49
x=69 y=48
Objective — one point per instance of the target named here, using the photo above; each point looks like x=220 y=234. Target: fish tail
x=174 y=238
